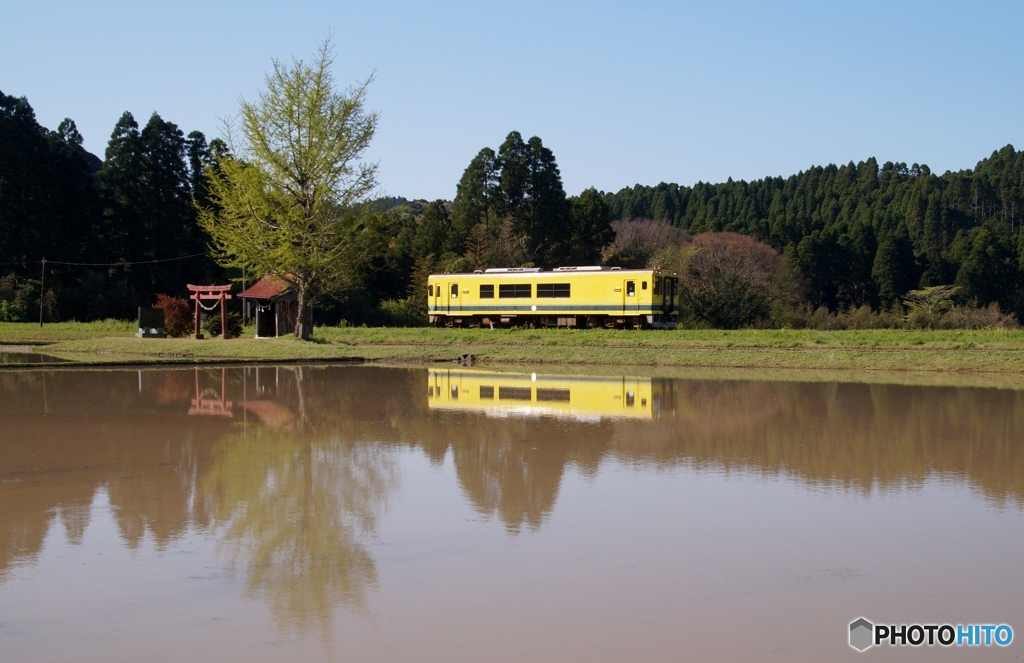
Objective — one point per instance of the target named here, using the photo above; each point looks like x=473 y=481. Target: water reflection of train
x=583 y=398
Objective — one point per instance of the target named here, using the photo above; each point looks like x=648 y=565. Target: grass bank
x=983 y=351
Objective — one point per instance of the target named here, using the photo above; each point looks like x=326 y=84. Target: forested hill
x=838 y=225
x=115 y=234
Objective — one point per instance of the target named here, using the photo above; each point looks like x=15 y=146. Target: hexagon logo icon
x=861 y=634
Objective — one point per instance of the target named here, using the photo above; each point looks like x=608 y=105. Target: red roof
x=267 y=288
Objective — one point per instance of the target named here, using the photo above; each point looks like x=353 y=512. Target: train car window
x=657 y=285
x=630 y=399
x=455 y=291
x=430 y=291
x=643 y=285
x=560 y=290
x=630 y=288
x=557 y=395
x=515 y=291
x=487 y=392
x=455 y=392
x=514 y=393
x=487 y=292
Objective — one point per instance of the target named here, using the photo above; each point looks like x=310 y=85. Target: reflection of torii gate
x=215 y=294
x=209 y=401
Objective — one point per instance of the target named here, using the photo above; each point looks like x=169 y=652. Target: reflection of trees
x=509 y=472
x=856 y=435
x=513 y=468
x=65 y=435
x=294 y=505
x=297 y=488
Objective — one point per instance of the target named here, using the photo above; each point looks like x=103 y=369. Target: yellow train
x=581 y=398
x=564 y=297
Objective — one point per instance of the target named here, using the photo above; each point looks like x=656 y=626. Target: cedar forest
x=861 y=244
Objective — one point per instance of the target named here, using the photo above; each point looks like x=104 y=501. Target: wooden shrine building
x=277 y=306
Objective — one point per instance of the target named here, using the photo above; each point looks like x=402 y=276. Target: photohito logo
x=864 y=634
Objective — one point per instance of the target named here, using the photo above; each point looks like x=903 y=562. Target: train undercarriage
x=657 y=321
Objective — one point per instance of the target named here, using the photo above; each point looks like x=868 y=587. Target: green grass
x=17 y=333
x=986 y=351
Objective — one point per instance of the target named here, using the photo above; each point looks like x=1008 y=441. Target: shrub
x=958 y=317
x=18 y=295
x=177 y=315
x=975 y=317
x=854 y=318
x=8 y=312
x=731 y=280
x=825 y=320
x=920 y=318
x=865 y=318
x=408 y=312
x=234 y=326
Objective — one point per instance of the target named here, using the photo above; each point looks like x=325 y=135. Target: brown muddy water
x=383 y=514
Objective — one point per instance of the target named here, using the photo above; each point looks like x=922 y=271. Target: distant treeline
x=857 y=236
x=61 y=203
x=863 y=234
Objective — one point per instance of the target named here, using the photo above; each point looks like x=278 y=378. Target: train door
x=454 y=386
x=435 y=297
x=435 y=390
x=453 y=298
x=628 y=395
x=630 y=302
x=665 y=288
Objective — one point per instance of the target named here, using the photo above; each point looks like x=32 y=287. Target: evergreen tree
x=432 y=230
x=122 y=187
x=475 y=199
x=200 y=159
x=988 y=272
x=893 y=271
x=49 y=205
x=146 y=185
x=513 y=164
x=546 y=214
x=590 y=228
x=517 y=197
x=47 y=198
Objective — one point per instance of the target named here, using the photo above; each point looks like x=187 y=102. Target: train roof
x=536 y=271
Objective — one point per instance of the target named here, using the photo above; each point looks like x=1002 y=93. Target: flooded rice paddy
x=386 y=514
x=21 y=354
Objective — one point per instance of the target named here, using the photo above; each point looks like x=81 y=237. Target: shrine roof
x=268 y=287
x=269 y=412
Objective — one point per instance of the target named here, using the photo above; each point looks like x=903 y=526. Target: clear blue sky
x=623 y=93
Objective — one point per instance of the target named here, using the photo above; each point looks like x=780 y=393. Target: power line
x=103 y=264
x=42 y=277
x=118 y=264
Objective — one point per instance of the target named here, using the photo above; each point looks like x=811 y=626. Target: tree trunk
x=304 y=317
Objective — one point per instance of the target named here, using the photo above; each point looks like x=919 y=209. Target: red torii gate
x=215 y=293
x=210 y=401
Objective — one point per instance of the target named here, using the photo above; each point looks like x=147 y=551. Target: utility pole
x=245 y=304
x=42 y=289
